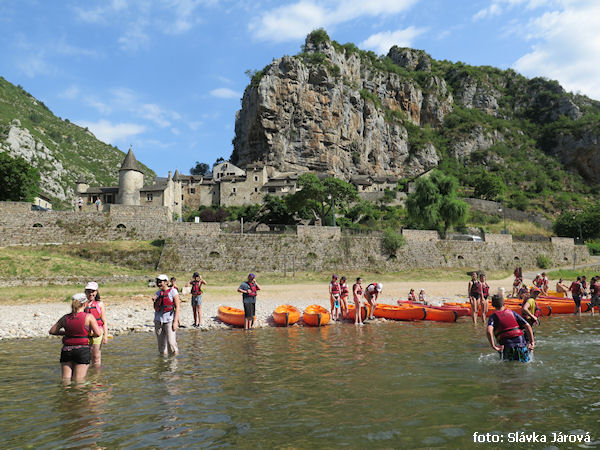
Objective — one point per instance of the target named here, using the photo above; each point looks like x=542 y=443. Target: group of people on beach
x=339 y=293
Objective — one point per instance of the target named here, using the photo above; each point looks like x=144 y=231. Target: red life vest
x=163 y=302
x=335 y=288
x=359 y=290
x=485 y=288
x=576 y=288
x=94 y=311
x=196 y=290
x=475 y=289
x=508 y=326
x=75 y=331
x=344 y=289
x=253 y=289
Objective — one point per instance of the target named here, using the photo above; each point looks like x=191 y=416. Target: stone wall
x=420 y=235
x=500 y=239
x=489 y=207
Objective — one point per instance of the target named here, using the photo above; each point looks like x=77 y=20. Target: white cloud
x=112 y=133
x=225 y=93
x=498 y=7
x=71 y=93
x=566 y=47
x=295 y=20
x=382 y=42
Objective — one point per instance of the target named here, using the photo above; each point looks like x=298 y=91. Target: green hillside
x=70 y=146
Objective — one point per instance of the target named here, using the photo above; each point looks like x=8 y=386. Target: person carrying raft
x=357 y=292
x=475 y=293
x=196 y=283
x=371 y=295
x=506 y=328
x=334 y=296
x=76 y=329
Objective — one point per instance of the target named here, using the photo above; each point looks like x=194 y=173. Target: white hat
x=80 y=297
x=379 y=287
x=163 y=277
x=92 y=286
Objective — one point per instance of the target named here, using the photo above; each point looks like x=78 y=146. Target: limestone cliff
x=334 y=108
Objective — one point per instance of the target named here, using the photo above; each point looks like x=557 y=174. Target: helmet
x=162 y=277
x=80 y=297
x=379 y=287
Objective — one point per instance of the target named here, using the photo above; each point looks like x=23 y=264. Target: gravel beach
x=135 y=314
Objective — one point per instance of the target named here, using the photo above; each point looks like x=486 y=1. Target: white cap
x=92 y=285
x=379 y=287
x=80 y=297
x=163 y=277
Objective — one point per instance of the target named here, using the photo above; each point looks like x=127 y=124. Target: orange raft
x=231 y=316
x=397 y=312
x=440 y=315
x=364 y=311
x=286 y=315
x=315 y=316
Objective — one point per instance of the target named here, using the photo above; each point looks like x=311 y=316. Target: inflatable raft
x=364 y=311
x=231 y=316
x=316 y=316
x=286 y=315
x=399 y=312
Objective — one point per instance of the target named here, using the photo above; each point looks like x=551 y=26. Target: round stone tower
x=81 y=186
x=131 y=180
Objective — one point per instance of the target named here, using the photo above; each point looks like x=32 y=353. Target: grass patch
x=569 y=274
x=515 y=228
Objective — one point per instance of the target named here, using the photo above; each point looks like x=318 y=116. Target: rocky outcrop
x=580 y=153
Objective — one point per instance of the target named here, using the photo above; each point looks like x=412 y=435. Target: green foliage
x=277 y=211
x=392 y=241
x=593 y=247
x=488 y=186
x=543 y=262
x=255 y=76
x=318 y=36
x=200 y=169
x=250 y=213
x=435 y=205
x=19 y=181
x=367 y=95
x=585 y=223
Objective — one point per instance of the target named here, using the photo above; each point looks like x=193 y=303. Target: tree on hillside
x=200 y=169
x=19 y=181
x=276 y=211
x=435 y=205
x=488 y=186
x=312 y=200
x=585 y=223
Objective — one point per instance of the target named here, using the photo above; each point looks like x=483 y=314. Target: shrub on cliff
x=392 y=241
x=19 y=181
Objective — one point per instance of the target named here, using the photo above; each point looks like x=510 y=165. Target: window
x=233 y=190
x=149 y=197
x=224 y=166
x=255 y=189
x=271 y=190
x=192 y=190
x=255 y=178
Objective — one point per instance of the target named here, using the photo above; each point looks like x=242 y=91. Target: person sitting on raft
x=422 y=297
x=371 y=295
x=412 y=297
x=506 y=327
x=76 y=329
x=561 y=287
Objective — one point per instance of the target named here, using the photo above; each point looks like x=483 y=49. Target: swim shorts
x=595 y=301
x=249 y=310
x=77 y=355
x=196 y=300
x=520 y=354
x=577 y=300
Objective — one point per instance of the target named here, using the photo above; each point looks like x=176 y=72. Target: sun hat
x=80 y=297
x=162 y=277
x=92 y=286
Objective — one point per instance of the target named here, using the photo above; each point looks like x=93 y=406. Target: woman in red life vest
x=412 y=297
x=507 y=328
x=576 y=289
x=344 y=293
x=475 y=296
x=196 y=283
x=76 y=329
x=334 y=296
x=357 y=292
x=372 y=295
x=166 y=316
x=249 y=290
x=485 y=294
x=95 y=307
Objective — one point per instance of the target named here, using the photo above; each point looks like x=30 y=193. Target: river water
x=388 y=384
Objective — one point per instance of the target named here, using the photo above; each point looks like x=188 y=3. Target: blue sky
x=167 y=76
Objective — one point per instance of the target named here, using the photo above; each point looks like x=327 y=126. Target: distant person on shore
x=561 y=287
x=76 y=329
x=172 y=284
x=412 y=297
x=80 y=203
x=196 y=283
x=576 y=289
x=485 y=295
x=595 y=293
x=357 y=292
x=422 y=297
x=344 y=293
x=545 y=284
x=96 y=308
x=518 y=282
x=249 y=289
x=506 y=327
x=167 y=307
x=334 y=296
x=474 y=291
x=98 y=204
x=372 y=295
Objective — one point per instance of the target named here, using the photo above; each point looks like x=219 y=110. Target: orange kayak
x=286 y=315
x=231 y=316
x=440 y=315
x=316 y=316
x=397 y=312
x=364 y=311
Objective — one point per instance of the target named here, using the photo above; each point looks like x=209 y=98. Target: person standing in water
x=357 y=292
x=249 y=289
x=344 y=292
x=96 y=308
x=196 y=283
x=166 y=316
x=474 y=290
x=507 y=327
x=485 y=294
x=76 y=329
x=334 y=296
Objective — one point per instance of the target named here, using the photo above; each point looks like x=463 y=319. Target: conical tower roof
x=176 y=175
x=130 y=163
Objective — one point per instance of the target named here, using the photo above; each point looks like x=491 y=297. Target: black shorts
x=249 y=310
x=77 y=355
x=577 y=300
x=595 y=301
